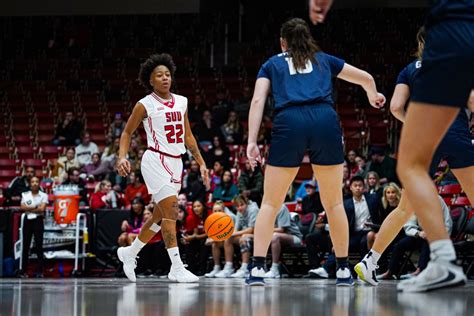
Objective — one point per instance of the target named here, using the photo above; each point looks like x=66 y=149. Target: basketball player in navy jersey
x=440 y=90
x=456 y=148
x=300 y=80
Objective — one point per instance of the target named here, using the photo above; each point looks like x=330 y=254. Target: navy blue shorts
x=447 y=75
x=312 y=128
x=456 y=147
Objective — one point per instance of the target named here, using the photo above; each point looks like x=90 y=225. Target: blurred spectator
x=85 y=150
x=131 y=227
x=219 y=152
x=221 y=108
x=105 y=197
x=216 y=174
x=247 y=212
x=135 y=146
x=138 y=161
x=73 y=177
x=390 y=199
x=18 y=185
x=33 y=203
x=97 y=168
x=285 y=233
x=346 y=181
x=217 y=245
x=68 y=131
x=385 y=166
x=226 y=190
x=193 y=167
x=301 y=191
x=415 y=239
x=111 y=151
x=65 y=163
x=195 y=189
x=372 y=182
x=318 y=243
x=443 y=174
x=232 y=130
x=242 y=106
x=183 y=200
x=311 y=203
x=196 y=251
x=136 y=188
x=196 y=109
x=206 y=129
x=351 y=163
x=360 y=161
x=251 y=183
x=117 y=126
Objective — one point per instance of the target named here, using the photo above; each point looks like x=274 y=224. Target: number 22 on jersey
x=174 y=132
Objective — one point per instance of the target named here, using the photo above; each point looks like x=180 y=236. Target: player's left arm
x=399 y=99
x=193 y=147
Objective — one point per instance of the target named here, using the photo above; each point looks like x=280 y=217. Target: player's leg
x=391 y=226
x=417 y=146
x=169 y=212
x=276 y=183
x=329 y=181
x=278 y=240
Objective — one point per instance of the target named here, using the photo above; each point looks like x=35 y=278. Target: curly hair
x=150 y=64
x=301 y=45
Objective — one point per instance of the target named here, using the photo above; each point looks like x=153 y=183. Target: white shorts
x=162 y=175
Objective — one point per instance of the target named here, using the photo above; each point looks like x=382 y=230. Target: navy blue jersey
x=407 y=76
x=442 y=10
x=311 y=85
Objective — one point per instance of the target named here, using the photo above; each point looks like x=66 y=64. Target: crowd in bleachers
x=66 y=94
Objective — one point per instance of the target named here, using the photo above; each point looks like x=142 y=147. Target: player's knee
x=275 y=238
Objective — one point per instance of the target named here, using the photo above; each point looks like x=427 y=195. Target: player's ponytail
x=420 y=37
x=301 y=45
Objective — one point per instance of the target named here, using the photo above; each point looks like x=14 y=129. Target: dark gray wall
x=92 y=7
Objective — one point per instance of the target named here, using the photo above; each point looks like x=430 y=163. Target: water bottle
x=86 y=236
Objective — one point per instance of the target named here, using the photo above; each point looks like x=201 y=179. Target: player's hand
x=253 y=155
x=422 y=234
x=205 y=177
x=377 y=100
x=318 y=10
x=123 y=167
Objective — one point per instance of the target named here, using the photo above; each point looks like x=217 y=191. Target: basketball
x=219 y=226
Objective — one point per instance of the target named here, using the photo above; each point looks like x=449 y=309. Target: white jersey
x=164 y=124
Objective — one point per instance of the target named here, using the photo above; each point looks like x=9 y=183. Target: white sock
x=229 y=265
x=217 y=267
x=442 y=250
x=374 y=255
x=244 y=266
x=173 y=253
x=136 y=246
x=275 y=266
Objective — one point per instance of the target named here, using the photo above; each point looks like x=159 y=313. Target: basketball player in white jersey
x=165 y=119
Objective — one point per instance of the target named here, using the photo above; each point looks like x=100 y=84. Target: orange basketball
x=219 y=226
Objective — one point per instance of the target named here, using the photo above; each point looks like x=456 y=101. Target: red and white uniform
x=161 y=165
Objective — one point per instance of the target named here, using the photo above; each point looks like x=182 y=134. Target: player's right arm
x=365 y=80
x=399 y=99
x=138 y=114
x=262 y=89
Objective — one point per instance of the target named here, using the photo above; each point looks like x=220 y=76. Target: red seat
x=8 y=163
x=461 y=201
x=50 y=152
x=25 y=152
x=6 y=152
x=450 y=189
x=22 y=140
x=8 y=174
x=36 y=163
